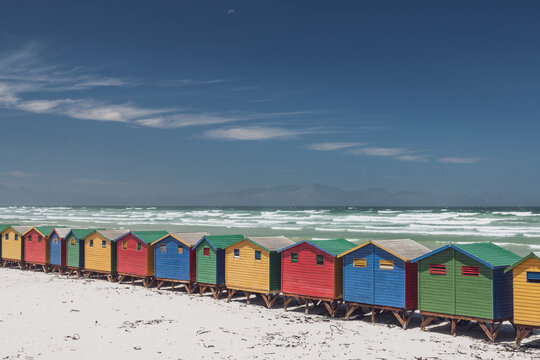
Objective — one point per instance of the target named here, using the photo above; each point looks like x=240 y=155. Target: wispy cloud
x=332 y=146
x=98 y=182
x=459 y=160
x=398 y=153
x=252 y=133
x=20 y=174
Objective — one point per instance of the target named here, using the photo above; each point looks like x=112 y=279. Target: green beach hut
x=75 y=250
x=466 y=282
x=210 y=260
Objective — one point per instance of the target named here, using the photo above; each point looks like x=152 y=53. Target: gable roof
x=44 y=230
x=523 y=259
x=331 y=247
x=405 y=249
x=271 y=243
x=487 y=253
x=4 y=227
x=110 y=235
x=221 y=241
x=80 y=233
x=147 y=237
x=21 y=229
x=61 y=232
x=188 y=239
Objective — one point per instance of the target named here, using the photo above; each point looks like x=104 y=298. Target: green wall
x=72 y=252
x=206 y=265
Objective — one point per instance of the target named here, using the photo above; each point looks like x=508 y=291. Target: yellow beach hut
x=12 y=245
x=100 y=253
x=526 y=281
x=253 y=265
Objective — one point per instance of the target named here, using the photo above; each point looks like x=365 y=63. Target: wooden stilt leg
x=486 y=330
x=286 y=302
x=159 y=284
x=350 y=310
x=453 y=327
x=172 y=286
x=248 y=297
x=306 y=311
x=230 y=294
x=372 y=315
x=426 y=320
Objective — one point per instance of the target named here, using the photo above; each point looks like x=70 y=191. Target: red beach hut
x=311 y=270
x=36 y=247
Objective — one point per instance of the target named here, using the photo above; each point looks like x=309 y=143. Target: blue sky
x=132 y=97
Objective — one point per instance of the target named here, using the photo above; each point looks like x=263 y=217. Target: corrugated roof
x=111 y=234
x=223 y=241
x=531 y=255
x=150 y=236
x=490 y=253
x=21 y=229
x=404 y=248
x=62 y=232
x=271 y=243
x=190 y=238
x=334 y=247
x=82 y=233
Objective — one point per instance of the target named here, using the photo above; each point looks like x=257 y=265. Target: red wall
x=306 y=277
x=130 y=260
x=411 y=285
x=34 y=251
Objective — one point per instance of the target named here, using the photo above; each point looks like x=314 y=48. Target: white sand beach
x=45 y=316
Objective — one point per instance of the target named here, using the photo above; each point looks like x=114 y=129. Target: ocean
x=517 y=229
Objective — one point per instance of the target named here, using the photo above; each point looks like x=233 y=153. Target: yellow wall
x=246 y=273
x=96 y=257
x=526 y=294
x=11 y=248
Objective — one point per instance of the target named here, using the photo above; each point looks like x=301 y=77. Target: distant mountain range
x=285 y=195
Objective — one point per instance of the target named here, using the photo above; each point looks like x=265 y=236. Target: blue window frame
x=16 y=237
x=533 y=276
x=257 y=255
x=236 y=253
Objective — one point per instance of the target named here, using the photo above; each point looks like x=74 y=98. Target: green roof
x=334 y=247
x=4 y=227
x=149 y=236
x=82 y=233
x=223 y=241
x=45 y=230
x=490 y=253
x=531 y=255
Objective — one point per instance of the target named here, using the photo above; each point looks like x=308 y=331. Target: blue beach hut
x=379 y=275
x=174 y=259
x=57 y=243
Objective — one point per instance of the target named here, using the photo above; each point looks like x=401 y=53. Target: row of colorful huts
x=479 y=282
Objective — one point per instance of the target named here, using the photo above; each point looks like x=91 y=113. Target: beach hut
x=100 y=253
x=12 y=245
x=36 y=247
x=378 y=275
x=135 y=255
x=311 y=271
x=2 y=229
x=210 y=262
x=526 y=286
x=57 y=244
x=75 y=250
x=174 y=260
x=466 y=282
x=252 y=265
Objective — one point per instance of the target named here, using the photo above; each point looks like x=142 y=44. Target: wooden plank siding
x=169 y=263
x=411 y=285
x=305 y=277
x=133 y=261
x=57 y=250
x=12 y=245
x=436 y=292
x=74 y=252
x=36 y=247
x=389 y=285
x=358 y=281
x=526 y=294
x=245 y=272
x=206 y=265
x=99 y=258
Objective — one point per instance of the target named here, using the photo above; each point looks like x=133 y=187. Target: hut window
x=361 y=263
x=206 y=251
x=257 y=255
x=294 y=257
x=180 y=249
x=320 y=259
x=39 y=238
x=29 y=238
x=16 y=237
x=437 y=269
x=533 y=276
x=124 y=245
x=469 y=270
x=386 y=264
x=237 y=253
x=7 y=236
x=163 y=248
x=139 y=246
x=91 y=243
x=56 y=240
x=103 y=244
x=72 y=241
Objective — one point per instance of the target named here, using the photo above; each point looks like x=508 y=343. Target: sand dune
x=44 y=316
